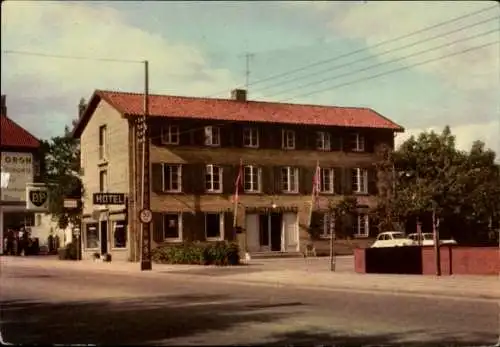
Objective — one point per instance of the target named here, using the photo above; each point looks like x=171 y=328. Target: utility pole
x=332 y=225
x=145 y=213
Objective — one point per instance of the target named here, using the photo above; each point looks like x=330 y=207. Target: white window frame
x=210 y=170
x=179 y=223
x=358 y=142
x=179 y=178
x=251 y=137
x=287 y=139
x=323 y=141
x=212 y=136
x=362 y=222
x=328 y=225
x=255 y=187
x=359 y=181
x=170 y=134
x=104 y=173
x=292 y=173
x=113 y=229
x=324 y=174
x=103 y=147
x=221 y=227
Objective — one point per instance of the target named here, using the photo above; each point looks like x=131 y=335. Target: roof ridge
x=230 y=100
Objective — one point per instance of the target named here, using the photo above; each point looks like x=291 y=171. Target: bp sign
x=37 y=198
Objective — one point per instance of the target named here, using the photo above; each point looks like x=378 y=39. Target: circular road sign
x=146 y=216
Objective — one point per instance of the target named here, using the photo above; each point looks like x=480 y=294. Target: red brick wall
x=464 y=261
x=359 y=260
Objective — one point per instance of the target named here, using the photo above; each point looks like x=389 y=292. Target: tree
x=342 y=212
x=62 y=176
x=432 y=176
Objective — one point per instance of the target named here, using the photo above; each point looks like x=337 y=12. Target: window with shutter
x=213 y=178
x=252 y=177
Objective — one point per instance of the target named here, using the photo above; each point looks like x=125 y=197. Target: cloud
x=90 y=30
x=478 y=69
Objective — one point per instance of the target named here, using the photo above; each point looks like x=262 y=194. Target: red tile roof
x=13 y=135
x=231 y=110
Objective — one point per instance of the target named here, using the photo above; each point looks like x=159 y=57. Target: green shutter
x=157 y=227
x=157 y=177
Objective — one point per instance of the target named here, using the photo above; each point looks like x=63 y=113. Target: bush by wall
x=197 y=253
x=69 y=252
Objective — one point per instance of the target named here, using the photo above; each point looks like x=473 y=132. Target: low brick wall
x=458 y=260
x=455 y=260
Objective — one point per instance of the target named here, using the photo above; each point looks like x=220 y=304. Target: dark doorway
x=276 y=225
x=264 y=229
x=104 y=237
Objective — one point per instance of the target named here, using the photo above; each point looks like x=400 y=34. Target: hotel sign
x=16 y=173
x=108 y=199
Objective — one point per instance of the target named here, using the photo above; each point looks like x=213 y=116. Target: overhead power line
x=329 y=69
x=496 y=30
x=394 y=70
x=384 y=42
x=71 y=57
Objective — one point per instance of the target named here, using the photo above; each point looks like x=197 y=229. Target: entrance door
x=291 y=233
x=276 y=222
x=264 y=232
x=104 y=236
x=252 y=232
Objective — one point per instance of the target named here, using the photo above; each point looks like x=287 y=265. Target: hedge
x=217 y=253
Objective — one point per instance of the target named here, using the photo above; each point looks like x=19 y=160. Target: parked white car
x=392 y=239
x=427 y=239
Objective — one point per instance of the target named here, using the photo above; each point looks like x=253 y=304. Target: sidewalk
x=477 y=287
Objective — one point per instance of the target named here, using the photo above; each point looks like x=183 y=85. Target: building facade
x=20 y=165
x=199 y=147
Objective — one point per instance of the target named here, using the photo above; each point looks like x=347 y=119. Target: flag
x=237 y=183
x=316 y=184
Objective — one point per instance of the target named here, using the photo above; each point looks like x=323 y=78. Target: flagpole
x=236 y=197
x=314 y=192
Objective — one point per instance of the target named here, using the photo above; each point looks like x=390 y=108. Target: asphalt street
x=60 y=306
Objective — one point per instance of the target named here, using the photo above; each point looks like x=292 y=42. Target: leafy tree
x=343 y=211
x=431 y=175
x=62 y=175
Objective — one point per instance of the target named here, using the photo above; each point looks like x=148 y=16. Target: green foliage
x=197 y=253
x=343 y=211
x=62 y=175
x=431 y=174
x=70 y=252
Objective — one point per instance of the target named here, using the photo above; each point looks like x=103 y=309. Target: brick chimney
x=3 y=105
x=239 y=95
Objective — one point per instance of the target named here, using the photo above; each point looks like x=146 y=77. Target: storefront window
x=92 y=235
x=119 y=234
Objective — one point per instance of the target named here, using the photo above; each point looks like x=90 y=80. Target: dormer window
x=170 y=135
x=323 y=141
x=212 y=136
x=357 y=142
x=251 y=137
x=288 y=139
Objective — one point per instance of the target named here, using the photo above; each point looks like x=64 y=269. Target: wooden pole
x=332 y=241
x=437 y=255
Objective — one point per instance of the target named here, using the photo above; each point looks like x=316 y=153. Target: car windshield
x=398 y=236
x=428 y=237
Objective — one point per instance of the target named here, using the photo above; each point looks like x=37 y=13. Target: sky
x=429 y=73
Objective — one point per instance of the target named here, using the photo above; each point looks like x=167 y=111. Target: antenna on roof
x=248 y=57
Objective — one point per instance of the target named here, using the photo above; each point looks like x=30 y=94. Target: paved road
x=61 y=306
